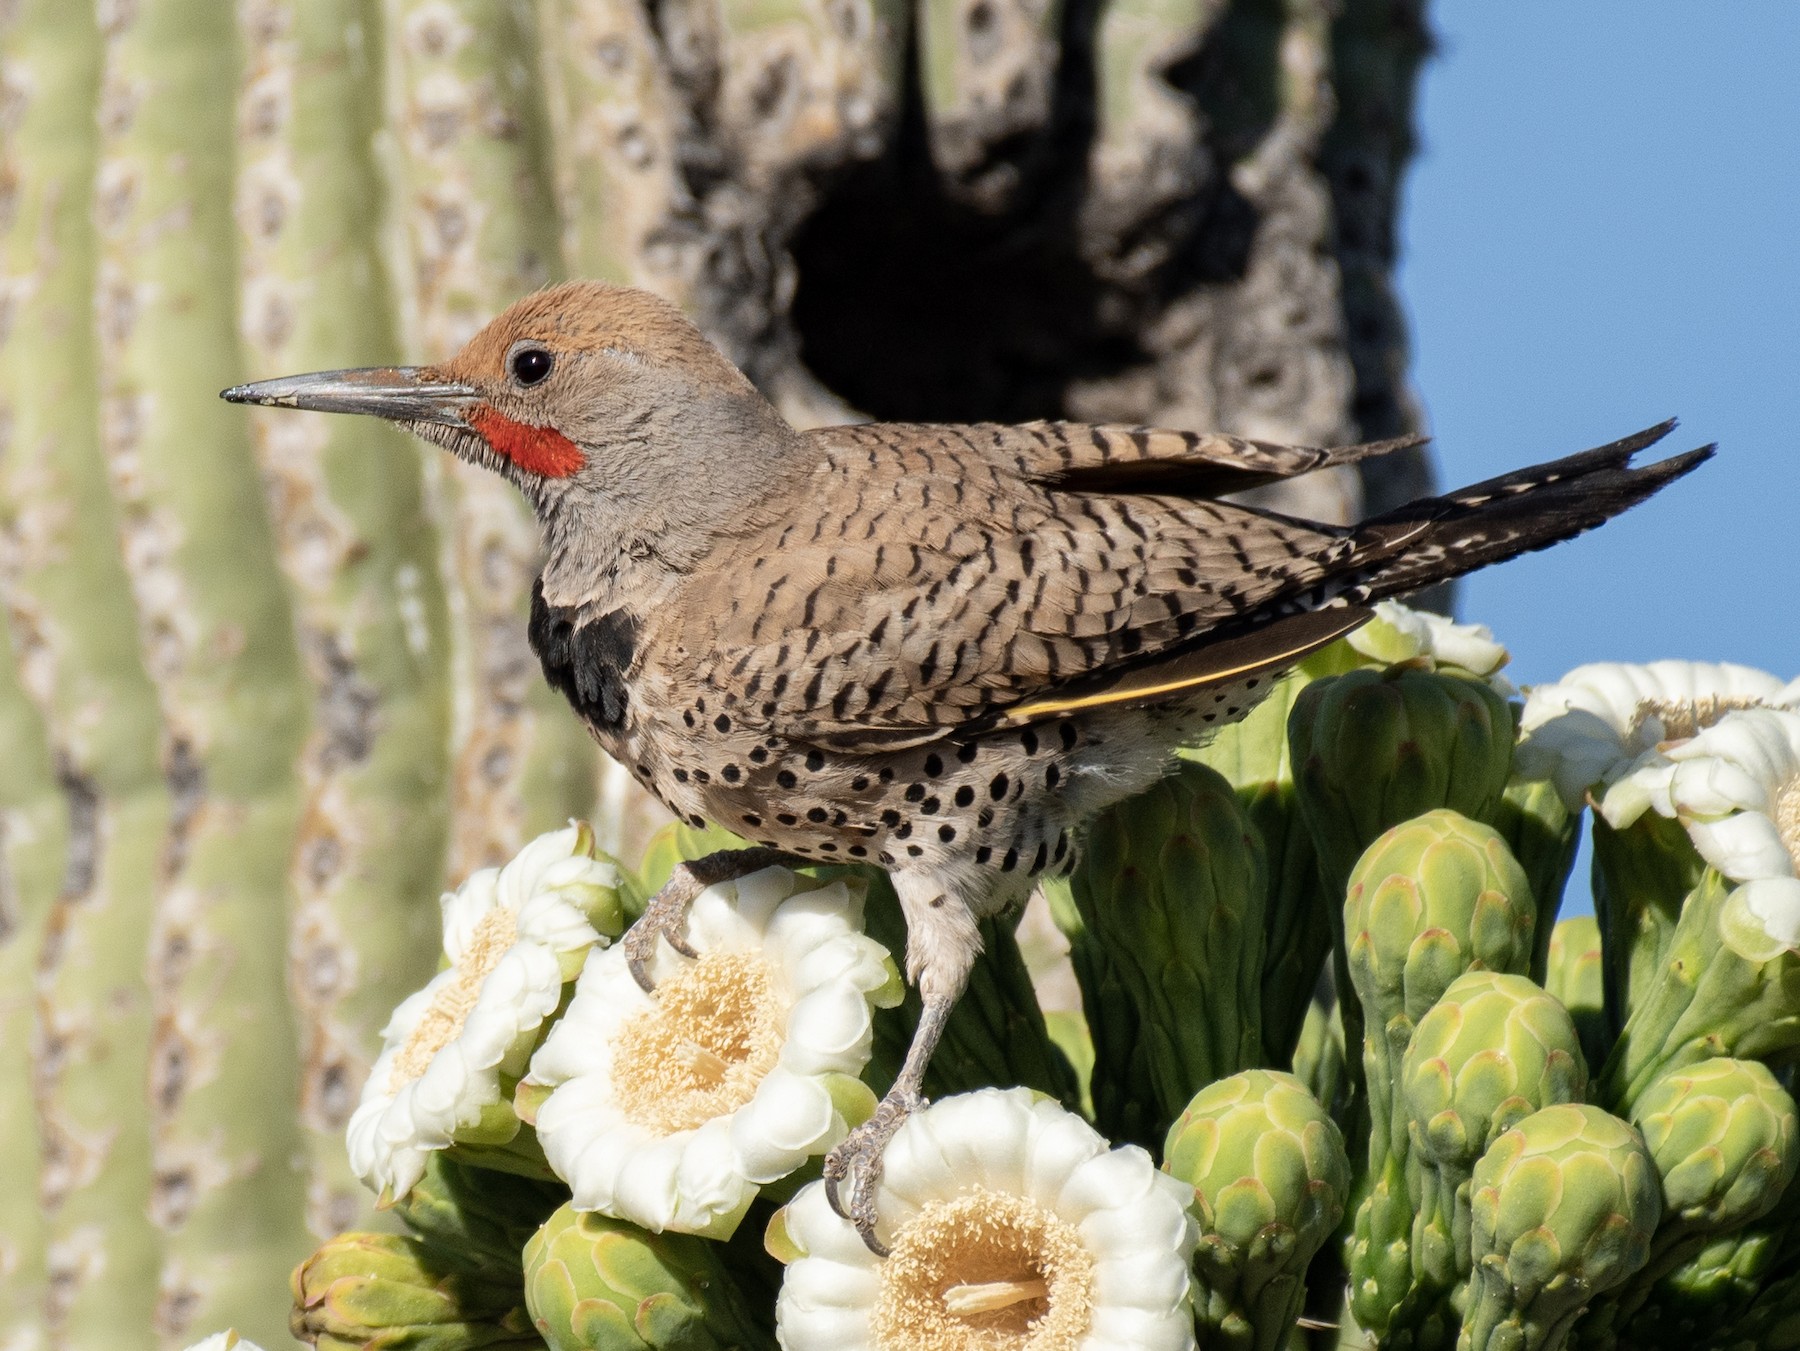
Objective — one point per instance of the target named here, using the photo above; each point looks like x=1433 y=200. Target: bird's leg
x=853 y=1169
x=666 y=915
x=942 y=942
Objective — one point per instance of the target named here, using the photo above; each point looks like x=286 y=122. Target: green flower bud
x=1372 y=749
x=1715 y=994
x=1270 y=1181
x=1722 y=1136
x=1492 y=1051
x=1563 y=1206
x=1171 y=893
x=606 y=906
x=391 y=1291
x=1432 y=898
x=599 y=1284
x=1573 y=973
x=1722 y=1276
x=1732 y=1277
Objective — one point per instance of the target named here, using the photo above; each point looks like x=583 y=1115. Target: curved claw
x=857 y=1161
x=664 y=918
x=640 y=947
x=666 y=915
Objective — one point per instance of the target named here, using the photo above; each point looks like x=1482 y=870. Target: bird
x=935 y=649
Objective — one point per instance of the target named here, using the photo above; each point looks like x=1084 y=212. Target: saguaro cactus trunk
x=266 y=690
x=215 y=627
x=360 y=554
x=95 y=1264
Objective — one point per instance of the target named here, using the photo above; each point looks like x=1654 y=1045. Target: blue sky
x=1602 y=229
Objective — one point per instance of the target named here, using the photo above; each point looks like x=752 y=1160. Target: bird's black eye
x=531 y=365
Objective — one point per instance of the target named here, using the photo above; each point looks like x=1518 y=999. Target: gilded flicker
x=938 y=649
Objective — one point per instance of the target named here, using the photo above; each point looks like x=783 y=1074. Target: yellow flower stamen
x=1684 y=718
x=1787 y=818
x=985 y=1271
x=712 y=1035
x=450 y=1006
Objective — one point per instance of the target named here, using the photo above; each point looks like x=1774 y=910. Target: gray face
x=651 y=448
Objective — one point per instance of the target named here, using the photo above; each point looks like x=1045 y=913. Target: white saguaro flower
x=1588 y=728
x=1735 y=788
x=1009 y=1223
x=227 y=1340
x=672 y=1109
x=1400 y=633
x=451 y=1053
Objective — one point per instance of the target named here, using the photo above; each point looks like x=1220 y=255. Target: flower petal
x=790 y=1119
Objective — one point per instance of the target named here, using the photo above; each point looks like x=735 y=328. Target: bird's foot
x=666 y=915
x=664 y=918
x=853 y=1169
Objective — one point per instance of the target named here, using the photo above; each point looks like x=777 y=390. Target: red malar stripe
x=537 y=450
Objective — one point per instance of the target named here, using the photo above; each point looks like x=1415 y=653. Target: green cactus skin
x=478 y=213
x=1252 y=754
x=1544 y=836
x=1707 y=1000
x=1371 y=749
x=835 y=118
x=1564 y=1205
x=1147 y=148
x=1573 y=973
x=1721 y=1134
x=373 y=1292
x=1430 y=899
x=602 y=69
x=599 y=1284
x=1171 y=892
x=482 y=1217
x=34 y=839
x=1492 y=1051
x=1641 y=878
x=359 y=553
x=215 y=630
x=1319 y=1055
x=1271 y=1181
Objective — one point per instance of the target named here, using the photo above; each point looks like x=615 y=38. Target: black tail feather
x=1435 y=539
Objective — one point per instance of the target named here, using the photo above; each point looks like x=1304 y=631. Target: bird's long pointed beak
x=398 y=393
